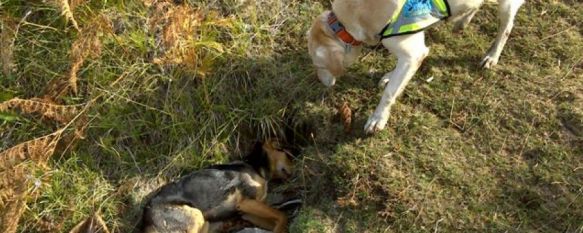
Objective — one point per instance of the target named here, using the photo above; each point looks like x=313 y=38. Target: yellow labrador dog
x=335 y=38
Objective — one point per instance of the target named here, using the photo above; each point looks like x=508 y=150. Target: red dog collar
x=340 y=31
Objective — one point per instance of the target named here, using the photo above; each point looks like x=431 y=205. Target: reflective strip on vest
x=415 y=15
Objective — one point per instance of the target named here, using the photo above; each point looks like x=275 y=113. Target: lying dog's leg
x=205 y=228
x=175 y=218
x=506 y=12
x=260 y=222
x=461 y=23
x=410 y=51
x=261 y=210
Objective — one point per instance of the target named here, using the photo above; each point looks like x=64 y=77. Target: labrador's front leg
x=410 y=51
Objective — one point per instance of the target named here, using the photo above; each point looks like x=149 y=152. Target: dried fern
x=10 y=184
x=87 y=45
x=175 y=29
x=13 y=194
x=14 y=184
x=73 y=73
x=38 y=150
x=59 y=113
x=11 y=214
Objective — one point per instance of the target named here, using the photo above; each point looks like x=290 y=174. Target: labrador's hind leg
x=461 y=23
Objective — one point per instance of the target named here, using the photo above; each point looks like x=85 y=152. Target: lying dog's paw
x=375 y=123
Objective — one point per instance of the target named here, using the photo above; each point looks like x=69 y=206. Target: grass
x=473 y=150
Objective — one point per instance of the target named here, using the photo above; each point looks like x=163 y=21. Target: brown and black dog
x=200 y=201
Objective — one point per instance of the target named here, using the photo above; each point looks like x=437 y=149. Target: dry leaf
x=346 y=202
x=59 y=113
x=93 y=224
x=346 y=116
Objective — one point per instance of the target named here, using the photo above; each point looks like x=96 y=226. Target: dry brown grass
x=87 y=46
x=60 y=113
x=93 y=224
x=7 y=33
x=175 y=29
x=75 y=3
x=67 y=11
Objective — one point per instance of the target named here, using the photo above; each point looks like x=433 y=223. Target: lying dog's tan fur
x=365 y=19
x=200 y=201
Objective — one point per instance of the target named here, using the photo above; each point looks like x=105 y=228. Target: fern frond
x=59 y=113
x=38 y=150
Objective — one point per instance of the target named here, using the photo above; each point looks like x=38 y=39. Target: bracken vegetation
x=103 y=101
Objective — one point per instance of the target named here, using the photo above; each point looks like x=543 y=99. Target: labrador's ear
x=336 y=63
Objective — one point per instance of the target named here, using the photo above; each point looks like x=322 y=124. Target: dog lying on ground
x=195 y=202
x=335 y=39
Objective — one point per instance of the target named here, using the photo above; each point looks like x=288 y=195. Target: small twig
x=40 y=26
x=558 y=33
x=18 y=26
x=437 y=224
x=337 y=221
x=572 y=68
x=527 y=137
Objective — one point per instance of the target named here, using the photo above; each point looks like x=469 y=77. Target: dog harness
x=415 y=15
x=411 y=16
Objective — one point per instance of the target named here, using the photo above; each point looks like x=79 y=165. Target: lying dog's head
x=271 y=160
x=328 y=53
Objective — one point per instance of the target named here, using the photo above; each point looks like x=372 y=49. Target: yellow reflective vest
x=415 y=15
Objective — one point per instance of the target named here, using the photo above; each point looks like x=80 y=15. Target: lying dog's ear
x=257 y=150
x=258 y=159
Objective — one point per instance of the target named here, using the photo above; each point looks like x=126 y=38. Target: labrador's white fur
x=364 y=19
